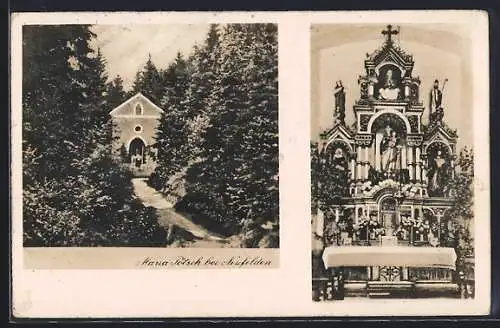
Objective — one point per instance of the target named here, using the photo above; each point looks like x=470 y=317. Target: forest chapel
x=394 y=170
x=135 y=126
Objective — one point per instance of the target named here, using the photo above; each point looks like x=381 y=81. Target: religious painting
x=406 y=204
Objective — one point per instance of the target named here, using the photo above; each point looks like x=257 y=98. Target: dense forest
x=74 y=194
x=217 y=140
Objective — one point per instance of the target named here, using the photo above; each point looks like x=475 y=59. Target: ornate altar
x=396 y=176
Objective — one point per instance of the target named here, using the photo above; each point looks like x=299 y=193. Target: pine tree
x=204 y=60
x=172 y=136
x=51 y=135
x=116 y=95
x=235 y=182
x=50 y=96
x=202 y=79
x=74 y=194
x=462 y=210
x=207 y=181
x=149 y=82
x=258 y=176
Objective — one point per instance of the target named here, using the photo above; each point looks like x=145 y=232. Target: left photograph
x=150 y=136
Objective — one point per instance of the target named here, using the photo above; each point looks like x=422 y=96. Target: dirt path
x=167 y=215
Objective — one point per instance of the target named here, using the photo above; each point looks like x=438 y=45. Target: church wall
x=125 y=129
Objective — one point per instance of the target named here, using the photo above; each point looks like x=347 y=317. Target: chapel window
x=138 y=109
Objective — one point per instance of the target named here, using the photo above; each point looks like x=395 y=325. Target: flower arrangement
x=401 y=233
x=379 y=232
x=407 y=222
x=405 y=228
x=372 y=224
x=422 y=227
x=416 y=227
x=410 y=191
x=367 y=226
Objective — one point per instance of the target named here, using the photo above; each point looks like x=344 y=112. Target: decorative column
x=417 y=164
x=367 y=162
x=377 y=154
x=439 y=216
x=358 y=163
x=403 y=158
x=353 y=167
x=407 y=88
x=371 y=88
x=452 y=163
x=337 y=214
x=424 y=168
x=411 y=164
x=362 y=156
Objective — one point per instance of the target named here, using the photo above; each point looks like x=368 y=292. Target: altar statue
x=435 y=105
x=339 y=161
x=436 y=97
x=339 y=93
x=438 y=172
x=388 y=151
x=390 y=91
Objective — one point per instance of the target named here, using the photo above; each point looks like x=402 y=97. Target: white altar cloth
x=407 y=256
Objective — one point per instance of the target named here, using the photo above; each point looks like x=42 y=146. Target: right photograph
x=392 y=164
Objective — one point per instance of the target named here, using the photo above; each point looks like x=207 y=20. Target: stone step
x=379 y=294
x=389 y=288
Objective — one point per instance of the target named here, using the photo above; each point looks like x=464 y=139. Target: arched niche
x=393 y=125
x=392 y=118
x=439 y=168
x=389 y=75
x=438 y=145
x=334 y=145
x=336 y=157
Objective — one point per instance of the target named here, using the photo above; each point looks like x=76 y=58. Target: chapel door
x=137 y=151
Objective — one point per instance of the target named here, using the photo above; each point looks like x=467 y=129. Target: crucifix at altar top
x=389 y=33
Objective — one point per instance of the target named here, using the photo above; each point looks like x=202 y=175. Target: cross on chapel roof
x=389 y=33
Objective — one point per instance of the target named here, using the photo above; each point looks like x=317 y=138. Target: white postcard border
x=285 y=291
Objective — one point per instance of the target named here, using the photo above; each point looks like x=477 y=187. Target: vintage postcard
x=166 y=164
x=396 y=163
